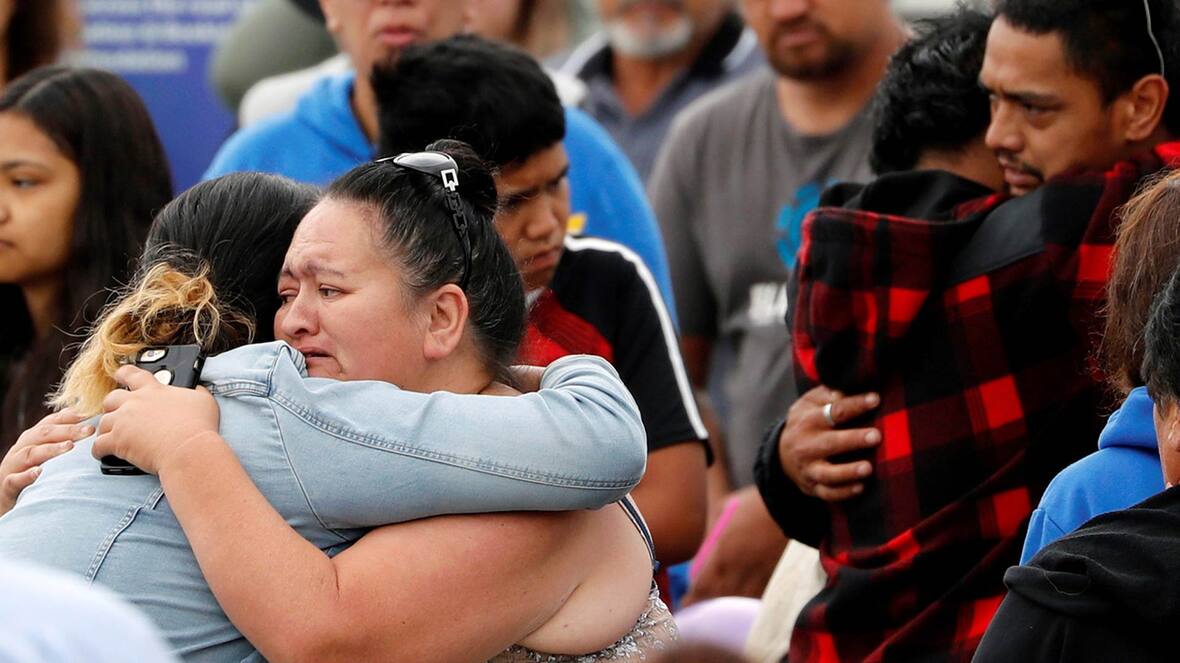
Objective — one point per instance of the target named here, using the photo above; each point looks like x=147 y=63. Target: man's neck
x=639 y=82
x=364 y=106
x=820 y=107
x=973 y=161
x=1160 y=136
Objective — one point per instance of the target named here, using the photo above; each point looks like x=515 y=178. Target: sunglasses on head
x=442 y=166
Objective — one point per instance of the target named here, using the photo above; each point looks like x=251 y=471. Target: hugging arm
x=368 y=454
x=453 y=588
x=446 y=589
x=51 y=437
x=577 y=443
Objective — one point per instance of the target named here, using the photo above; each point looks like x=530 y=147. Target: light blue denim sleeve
x=368 y=453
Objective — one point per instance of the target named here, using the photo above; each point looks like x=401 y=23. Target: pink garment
x=723 y=622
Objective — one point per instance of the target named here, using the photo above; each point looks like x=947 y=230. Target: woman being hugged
x=397 y=276
x=82 y=172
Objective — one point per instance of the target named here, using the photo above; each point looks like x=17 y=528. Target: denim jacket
x=334 y=458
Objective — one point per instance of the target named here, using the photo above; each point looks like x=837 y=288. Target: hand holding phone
x=175 y=365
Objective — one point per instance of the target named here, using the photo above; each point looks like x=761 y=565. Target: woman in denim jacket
x=336 y=457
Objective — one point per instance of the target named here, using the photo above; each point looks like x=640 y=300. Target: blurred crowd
x=624 y=330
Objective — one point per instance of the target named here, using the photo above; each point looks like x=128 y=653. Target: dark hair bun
x=476 y=184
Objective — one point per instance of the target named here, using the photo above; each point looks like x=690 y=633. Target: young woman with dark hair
x=374 y=288
x=82 y=172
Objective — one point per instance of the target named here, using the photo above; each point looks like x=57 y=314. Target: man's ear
x=468 y=15
x=447 y=308
x=1143 y=107
x=331 y=20
x=1171 y=440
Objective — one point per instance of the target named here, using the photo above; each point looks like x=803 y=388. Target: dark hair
x=1147 y=251
x=930 y=98
x=416 y=228
x=98 y=122
x=207 y=277
x=1107 y=40
x=494 y=97
x=37 y=33
x=1161 y=341
x=239 y=226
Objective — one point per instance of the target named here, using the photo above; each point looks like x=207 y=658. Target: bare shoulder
x=616 y=574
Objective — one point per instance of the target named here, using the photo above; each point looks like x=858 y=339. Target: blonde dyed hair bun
x=164 y=306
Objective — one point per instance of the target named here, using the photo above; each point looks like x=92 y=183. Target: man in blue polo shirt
x=334 y=126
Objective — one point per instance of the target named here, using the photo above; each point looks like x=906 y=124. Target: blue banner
x=162 y=47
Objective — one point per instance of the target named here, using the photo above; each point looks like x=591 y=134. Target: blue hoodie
x=1123 y=472
x=321 y=139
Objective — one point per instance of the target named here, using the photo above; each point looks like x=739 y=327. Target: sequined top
x=654 y=631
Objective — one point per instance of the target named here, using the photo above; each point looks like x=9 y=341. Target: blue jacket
x=1123 y=472
x=333 y=458
x=321 y=139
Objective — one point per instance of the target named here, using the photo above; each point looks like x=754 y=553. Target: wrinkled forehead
x=1020 y=62
x=334 y=232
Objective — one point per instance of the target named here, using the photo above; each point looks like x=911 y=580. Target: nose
x=1003 y=134
x=788 y=10
x=550 y=217
x=297 y=319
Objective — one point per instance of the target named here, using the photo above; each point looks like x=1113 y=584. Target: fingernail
x=864 y=470
x=873 y=436
x=87 y=431
x=67 y=445
x=37 y=471
x=872 y=400
x=856 y=490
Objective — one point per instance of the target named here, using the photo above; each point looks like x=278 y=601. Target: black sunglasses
x=442 y=166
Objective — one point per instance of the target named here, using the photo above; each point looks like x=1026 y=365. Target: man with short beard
x=652 y=59
x=736 y=175
x=978 y=337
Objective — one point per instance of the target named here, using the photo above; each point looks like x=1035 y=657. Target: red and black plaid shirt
x=977 y=329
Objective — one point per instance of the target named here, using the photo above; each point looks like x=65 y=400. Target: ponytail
x=165 y=306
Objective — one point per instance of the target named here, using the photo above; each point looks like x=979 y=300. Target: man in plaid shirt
x=974 y=323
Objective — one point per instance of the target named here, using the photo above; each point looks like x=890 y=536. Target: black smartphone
x=175 y=365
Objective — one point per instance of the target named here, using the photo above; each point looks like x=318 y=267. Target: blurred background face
x=656 y=28
x=39 y=192
x=815 y=39
x=376 y=30
x=1046 y=118
x=534 y=210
